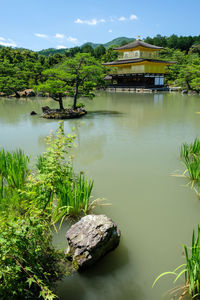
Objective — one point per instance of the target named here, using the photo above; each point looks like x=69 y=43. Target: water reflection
x=107 y=276
x=158 y=99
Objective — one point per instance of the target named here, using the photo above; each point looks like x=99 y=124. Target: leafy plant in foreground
x=56 y=186
x=191 y=268
x=29 y=264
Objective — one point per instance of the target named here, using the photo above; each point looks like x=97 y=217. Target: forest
x=22 y=69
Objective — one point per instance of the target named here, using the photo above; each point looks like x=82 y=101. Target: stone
x=192 y=92
x=45 y=109
x=91 y=238
x=27 y=93
x=32 y=113
x=184 y=91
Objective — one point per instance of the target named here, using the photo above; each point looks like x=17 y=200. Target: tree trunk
x=75 y=96
x=60 y=102
x=188 y=84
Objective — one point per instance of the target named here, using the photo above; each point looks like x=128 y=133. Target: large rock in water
x=91 y=238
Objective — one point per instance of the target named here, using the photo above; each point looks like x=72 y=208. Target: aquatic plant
x=56 y=186
x=191 y=268
x=30 y=202
x=14 y=170
x=74 y=196
x=190 y=155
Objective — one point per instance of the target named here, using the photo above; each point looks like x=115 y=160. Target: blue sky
x=41 y=24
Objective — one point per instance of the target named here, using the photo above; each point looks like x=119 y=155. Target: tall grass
x=191 y=268
x=74 y=196
x=53 y=185
x=14 y=169
x=190 y=155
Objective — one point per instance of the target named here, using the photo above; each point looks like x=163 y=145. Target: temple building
x=138 y=66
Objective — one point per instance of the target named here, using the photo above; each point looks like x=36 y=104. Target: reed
x=14 y=169
x=74 y=196
x=191 y=268
x=190 y=155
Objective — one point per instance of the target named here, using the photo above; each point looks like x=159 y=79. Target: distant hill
x=118 y=41
x=115 y=42
x=51 y=51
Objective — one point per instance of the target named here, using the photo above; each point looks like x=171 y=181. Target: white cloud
x=72 y=40
x=89 y=22
x=122 y=19
x=61 y=47
x=110 y=30
x=7 y=42
x=41 y=35
x=59 y=36
x=133 y=17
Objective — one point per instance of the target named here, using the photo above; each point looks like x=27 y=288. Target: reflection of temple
x=138 y=66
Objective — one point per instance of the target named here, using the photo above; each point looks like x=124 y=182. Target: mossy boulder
x=91 y=238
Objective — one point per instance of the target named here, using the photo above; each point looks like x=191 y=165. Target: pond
x=129 y=144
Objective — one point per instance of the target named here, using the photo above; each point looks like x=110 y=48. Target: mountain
x=118 y=41
x=115 y=42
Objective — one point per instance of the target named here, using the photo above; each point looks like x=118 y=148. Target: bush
x=29 y=264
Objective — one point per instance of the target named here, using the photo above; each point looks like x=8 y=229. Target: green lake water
x=129 y=144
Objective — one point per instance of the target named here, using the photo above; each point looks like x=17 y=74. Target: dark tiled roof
x=137 y=43
x=136 y=60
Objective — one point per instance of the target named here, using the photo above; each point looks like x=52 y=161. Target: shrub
x=29 y=264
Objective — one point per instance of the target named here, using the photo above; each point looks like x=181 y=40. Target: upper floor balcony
x=138 y=54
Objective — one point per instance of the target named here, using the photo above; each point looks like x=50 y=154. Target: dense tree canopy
x=76 y=77
x=21 y=69
x=183 y=43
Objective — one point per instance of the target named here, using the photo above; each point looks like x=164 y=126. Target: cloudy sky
x=41 y=24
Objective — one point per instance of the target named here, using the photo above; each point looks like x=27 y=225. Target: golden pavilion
x=138 y=65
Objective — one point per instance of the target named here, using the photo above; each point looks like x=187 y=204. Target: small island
x=76 y=77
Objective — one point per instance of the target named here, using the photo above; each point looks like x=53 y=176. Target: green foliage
x=80 y=105
x=74 y=196
x=110 y=55
x=21 y=69
x=14 y=172
x=99 y=51
x=56 y=187
x=190 y=155
x=76 y=77
x=186 y=71
x=189 y=75
x=183 y=43
x=87 y=48
x=29 y=264
x=191 y=268
x=31 y=201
